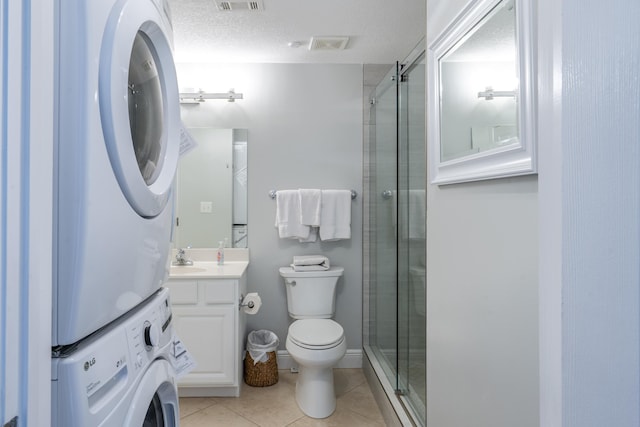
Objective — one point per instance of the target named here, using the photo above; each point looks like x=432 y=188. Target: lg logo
x=89 y=363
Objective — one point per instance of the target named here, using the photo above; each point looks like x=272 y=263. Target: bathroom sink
x=187 y=269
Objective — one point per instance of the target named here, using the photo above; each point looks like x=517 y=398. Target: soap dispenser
x=220 y=253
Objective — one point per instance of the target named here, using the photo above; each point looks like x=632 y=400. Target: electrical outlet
x=206 y=207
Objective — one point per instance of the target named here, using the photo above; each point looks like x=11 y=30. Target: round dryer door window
x=145 y=109
x=139 y=104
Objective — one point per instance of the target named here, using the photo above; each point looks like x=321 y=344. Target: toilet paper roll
x=251 y=303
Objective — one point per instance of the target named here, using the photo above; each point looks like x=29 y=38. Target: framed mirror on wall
x=482 y=117
x=211 y=201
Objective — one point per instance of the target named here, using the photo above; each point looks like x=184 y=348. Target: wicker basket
x=261 y=374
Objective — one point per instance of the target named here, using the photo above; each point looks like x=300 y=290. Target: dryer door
x=155 y=402
x=139 y=104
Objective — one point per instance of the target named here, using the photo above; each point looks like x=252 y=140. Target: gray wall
x=305 y=131
x=482 y=294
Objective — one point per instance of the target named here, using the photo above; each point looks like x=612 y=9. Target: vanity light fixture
x=488 y=94
x=201 y=96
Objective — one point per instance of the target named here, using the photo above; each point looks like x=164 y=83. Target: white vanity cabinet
x=207 y=319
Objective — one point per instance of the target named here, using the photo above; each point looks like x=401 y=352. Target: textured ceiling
x=380 y=31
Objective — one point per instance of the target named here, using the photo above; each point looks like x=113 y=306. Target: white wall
x=304 y=131
x=482 y=294
x=599 y=177
x=26 y=161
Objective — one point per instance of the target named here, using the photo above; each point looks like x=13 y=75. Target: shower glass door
x=383 y=249
x=396 y=338
x=412 y=181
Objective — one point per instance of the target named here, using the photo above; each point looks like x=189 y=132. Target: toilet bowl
x=316 y=345
x=314 y=341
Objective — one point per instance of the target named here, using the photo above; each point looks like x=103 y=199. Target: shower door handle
x=387 y=194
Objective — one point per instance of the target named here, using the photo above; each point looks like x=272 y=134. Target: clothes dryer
x=117 y=143
x=123 y=375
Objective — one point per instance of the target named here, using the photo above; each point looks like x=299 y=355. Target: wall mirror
x=211 y=196
x=481 y=113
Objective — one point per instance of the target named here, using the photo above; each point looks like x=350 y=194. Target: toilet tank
x=311 y=294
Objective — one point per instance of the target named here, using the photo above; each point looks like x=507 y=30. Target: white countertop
x=209 y=270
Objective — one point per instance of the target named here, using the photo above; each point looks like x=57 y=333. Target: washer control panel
x=151 y=331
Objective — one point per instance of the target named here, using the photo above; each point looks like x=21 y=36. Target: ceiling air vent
x=235 y=5
x=328 y=43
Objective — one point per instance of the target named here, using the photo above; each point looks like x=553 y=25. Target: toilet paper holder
x=249 y=304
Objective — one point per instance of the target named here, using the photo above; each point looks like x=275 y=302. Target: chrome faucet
x=180 y=259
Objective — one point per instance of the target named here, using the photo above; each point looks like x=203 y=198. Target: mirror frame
x=500 y=162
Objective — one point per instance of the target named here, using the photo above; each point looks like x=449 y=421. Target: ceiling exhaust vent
x=328 y=43
x=235 y=5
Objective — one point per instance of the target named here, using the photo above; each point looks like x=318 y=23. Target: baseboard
x=351 y=360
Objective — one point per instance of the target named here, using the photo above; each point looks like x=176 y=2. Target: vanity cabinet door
x=208 y=333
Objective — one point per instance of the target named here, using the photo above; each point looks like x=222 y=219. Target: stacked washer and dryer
x=115 y=355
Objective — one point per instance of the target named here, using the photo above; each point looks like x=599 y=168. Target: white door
x=26 y=159
x=138 y=87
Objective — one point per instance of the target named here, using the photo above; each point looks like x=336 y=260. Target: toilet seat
x=316 y=334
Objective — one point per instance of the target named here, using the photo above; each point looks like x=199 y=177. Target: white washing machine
x=123 y=375
x=117 y=143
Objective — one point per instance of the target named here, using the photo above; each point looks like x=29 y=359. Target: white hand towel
x=335 y=215
x=310 y=260
x=310 y=206
x=288 y=216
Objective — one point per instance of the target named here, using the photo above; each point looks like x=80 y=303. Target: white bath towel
x=288 y=216
x=335 y=215
x=311 y=260
x=310 y=200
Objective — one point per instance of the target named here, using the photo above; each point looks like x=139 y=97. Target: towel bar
x=272 y=194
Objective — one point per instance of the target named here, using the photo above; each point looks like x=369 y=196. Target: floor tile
x=361 y=401
x=214 y=416
x=345 y=380
x=268 y=406
x=340 y=418
x=275 y=406
x=190 y=405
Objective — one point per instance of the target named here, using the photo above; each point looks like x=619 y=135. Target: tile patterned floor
x=275 y=406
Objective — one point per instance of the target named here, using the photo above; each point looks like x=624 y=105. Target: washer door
x=139 y=104
x=155 y=402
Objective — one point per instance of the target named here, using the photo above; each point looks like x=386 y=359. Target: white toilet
x=314 y=341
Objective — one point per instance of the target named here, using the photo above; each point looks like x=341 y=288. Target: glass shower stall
x=395 y=242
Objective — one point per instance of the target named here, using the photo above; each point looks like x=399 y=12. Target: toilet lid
x=316 y=333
